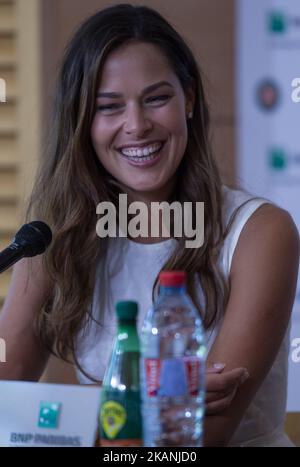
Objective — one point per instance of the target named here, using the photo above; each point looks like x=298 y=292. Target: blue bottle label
x=173 y=377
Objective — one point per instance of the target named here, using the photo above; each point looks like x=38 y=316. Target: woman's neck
x=147 y=198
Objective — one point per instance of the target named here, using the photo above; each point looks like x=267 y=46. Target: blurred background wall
x=20 y=119
x=33 y=34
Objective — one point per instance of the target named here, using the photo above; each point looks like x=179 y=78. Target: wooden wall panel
x=292 y=427
x=7 y=51
x=8 y=153
x=8 y=132
x=7 y=18
x=19 y=115
x=10 y=77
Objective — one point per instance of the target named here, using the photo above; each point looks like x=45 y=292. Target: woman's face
x=139 y=130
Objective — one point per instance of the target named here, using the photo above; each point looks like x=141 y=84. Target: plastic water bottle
x=120 y=413
x=173 y=355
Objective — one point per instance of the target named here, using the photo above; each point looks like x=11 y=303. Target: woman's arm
x=262 y=290
x=25 y=357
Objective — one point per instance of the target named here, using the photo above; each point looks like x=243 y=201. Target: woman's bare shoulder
x=269 y=231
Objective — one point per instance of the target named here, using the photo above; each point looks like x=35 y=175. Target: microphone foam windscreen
x=35 y=237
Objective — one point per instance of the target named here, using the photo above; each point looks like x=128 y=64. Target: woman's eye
x=114 y=107
x=108 y=107
x=158 y=98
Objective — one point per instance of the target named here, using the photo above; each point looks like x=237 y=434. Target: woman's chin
x=144 y=191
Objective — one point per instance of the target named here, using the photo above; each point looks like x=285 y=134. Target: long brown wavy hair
x=71 y=181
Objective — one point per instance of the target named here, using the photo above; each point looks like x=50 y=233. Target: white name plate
x=39 y=414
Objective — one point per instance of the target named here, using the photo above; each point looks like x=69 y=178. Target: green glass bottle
x=120 y=412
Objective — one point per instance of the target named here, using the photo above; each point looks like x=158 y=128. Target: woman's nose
x=137 y=122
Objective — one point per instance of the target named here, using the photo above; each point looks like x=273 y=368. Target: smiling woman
x=146 y=112
x=131 y=118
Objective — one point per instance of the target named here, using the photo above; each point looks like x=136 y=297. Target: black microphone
x=32 y=239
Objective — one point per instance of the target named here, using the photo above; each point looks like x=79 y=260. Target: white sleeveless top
x=128 y=272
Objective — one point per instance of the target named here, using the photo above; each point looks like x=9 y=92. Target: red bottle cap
x=172 y=278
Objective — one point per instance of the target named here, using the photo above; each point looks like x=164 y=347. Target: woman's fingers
x=212 y=408
x=214 y=396
x=221 y=389
x=214 y=367
x=225 y=381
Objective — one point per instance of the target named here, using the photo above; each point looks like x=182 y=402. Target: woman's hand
x=221 y=386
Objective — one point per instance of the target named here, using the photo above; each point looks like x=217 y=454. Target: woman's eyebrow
x=151 y=88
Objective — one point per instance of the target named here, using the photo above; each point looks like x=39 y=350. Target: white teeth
x=142 y=159
x=141 y=152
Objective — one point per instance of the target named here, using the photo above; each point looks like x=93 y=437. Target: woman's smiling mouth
x=143 y=156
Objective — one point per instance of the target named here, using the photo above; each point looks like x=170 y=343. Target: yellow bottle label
x=113 y=418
